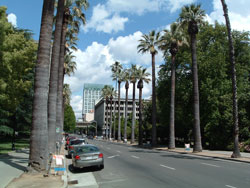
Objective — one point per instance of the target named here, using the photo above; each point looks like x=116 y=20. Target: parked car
x=86 y=156
x=68 y=141
x=73 y=143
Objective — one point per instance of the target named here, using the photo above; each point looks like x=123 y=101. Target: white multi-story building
x=91 y=94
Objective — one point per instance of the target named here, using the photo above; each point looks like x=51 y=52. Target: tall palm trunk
x=171 y=143
x=236 y=152
x=140 y=84
x=119 y=116
x=197 y=132
x=153 y=102
x=39 y=134
x=106 y=131
x=54 y=78
x=110 y=127
x=126 y=112
x=59 y=114
x=133 y=117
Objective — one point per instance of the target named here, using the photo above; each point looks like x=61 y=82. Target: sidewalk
x=13 y=173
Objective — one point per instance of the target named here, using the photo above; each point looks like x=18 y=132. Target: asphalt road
x=132 y=167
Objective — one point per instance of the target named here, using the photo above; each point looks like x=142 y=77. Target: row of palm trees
x=132 y=75
x=185 y=29
x=47 y=114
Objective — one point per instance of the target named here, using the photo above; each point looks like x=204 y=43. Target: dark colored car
x=68 y=141
x=86 y=156
x=73 y=143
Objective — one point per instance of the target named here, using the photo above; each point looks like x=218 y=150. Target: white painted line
x=230 y=186
x=210 y=164
x=113 y=181
x=167 y=167
x=110 y=157
x=118 y=151
x=135 y=157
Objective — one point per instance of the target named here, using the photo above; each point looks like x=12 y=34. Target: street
x=127 y=166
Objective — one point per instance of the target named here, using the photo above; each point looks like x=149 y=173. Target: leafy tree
x=69 y=119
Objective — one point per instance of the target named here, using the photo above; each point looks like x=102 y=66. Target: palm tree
x=142 y=76
x=54 y=78
x=73 y=15
x=119 y=80
x=105 y=96
x=126 y=79
x=171 y=41
x=148 y=43
x=192 y=16
x=133 y=79
x=108 y=92
x=69 y=64
x=39 y=133
x=236 y=151
x=115 y=68
x=66 y=94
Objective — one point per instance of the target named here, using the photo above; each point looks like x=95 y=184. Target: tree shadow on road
x=185 y=156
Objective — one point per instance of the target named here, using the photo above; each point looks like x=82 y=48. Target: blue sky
x=112 y=32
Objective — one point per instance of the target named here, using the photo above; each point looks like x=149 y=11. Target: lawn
x=6 y=144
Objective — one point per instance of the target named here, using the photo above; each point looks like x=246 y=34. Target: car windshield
x=87 y=149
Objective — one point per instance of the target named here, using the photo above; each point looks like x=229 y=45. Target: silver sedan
x=86 y=156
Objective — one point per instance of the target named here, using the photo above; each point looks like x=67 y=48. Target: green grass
x=6 y=144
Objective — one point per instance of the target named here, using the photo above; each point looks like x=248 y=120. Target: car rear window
x=75 y=142
x=87 y=149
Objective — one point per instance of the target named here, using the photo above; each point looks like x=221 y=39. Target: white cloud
x=239 y=14
x=76 y=103
x=93 y=65
x=105 y=21
x=12 y=19
x=174 y=5
x=106 y=17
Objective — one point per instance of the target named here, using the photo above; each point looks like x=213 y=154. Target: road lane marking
x=112 y=181
x=230 y=186
x=135 y=157
x=110 y=157
x=210 y=165
x=167 y=167
x=118 y=151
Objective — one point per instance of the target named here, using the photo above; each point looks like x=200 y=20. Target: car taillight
x=67 y=142
x=77 y=157
x=100 y=155
x=71 y=147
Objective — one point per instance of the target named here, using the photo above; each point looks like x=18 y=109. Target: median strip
x=167 y=167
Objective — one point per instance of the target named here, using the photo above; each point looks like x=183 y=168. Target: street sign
x=57 y=130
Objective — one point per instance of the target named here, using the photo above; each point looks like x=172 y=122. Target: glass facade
x=91 y=94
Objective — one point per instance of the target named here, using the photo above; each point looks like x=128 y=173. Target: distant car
x=99 y=137
x=73 y=143
x=90 y=137
x=68 y=141
x=86 y=156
